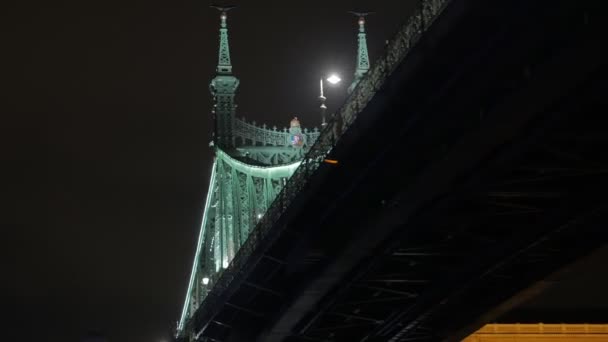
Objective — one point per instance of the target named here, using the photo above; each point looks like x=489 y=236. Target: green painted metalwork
x=239 y=194
x=251 y=166
x=223 y=65
x=362 y=54
x=223 y=88
x=271 y=146
x=257 y=172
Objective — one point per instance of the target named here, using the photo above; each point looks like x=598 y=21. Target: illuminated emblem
x=295 y=133
x=297 y=140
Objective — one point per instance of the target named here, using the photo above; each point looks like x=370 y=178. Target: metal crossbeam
x=264 y=289
x=387 y=290
x=357 y=317
x=248 y=311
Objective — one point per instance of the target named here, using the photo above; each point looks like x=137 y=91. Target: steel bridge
x=490 y=173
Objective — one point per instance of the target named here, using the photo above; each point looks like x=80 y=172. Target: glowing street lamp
x=332 y=79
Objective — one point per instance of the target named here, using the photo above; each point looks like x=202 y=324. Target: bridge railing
x=250 y=133
x=396 y=50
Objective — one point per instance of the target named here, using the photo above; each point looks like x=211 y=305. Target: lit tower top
x=223 y=63
x=223 y=88
x=362 y=54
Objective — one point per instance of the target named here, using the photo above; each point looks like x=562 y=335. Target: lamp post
x=332 y=79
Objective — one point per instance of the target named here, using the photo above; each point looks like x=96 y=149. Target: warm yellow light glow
x=540 y=332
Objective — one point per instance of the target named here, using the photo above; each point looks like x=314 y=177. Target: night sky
x=105 y=131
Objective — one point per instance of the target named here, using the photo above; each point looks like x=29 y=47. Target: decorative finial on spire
x=362 y=54
x=223 y=64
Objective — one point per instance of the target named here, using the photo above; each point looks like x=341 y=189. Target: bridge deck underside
x=490 y=172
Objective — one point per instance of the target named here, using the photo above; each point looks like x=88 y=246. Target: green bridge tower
x=251 y=165
x=362 y=55
x=223 y=88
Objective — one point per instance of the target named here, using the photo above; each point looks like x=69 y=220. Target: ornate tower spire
x=223 y=88
x=362 y=55
x=223 y=62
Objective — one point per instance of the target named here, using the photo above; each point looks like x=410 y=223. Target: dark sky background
x=105 y=130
